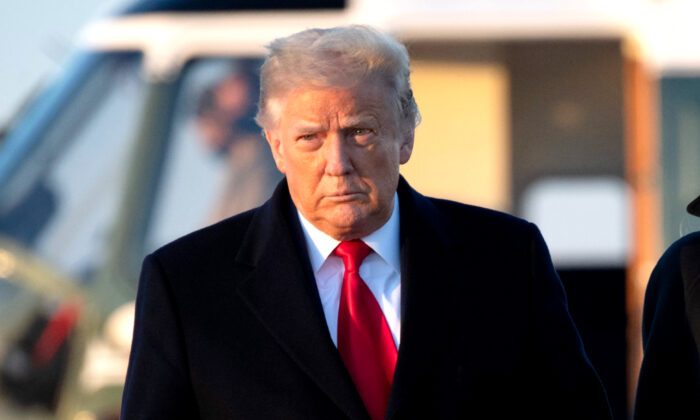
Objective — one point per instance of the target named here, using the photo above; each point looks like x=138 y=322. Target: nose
x=337 y=153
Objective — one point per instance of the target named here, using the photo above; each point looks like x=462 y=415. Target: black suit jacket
x=229 y=324
x=669 y=380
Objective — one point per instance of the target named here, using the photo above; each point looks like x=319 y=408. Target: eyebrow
x=348 y=122
x=306 y=127
x=359 y=120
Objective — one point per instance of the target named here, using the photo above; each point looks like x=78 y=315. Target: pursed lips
x=345 y=195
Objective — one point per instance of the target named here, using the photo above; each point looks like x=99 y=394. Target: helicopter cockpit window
x=218 y=162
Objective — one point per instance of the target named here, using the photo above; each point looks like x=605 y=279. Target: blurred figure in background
x=226 y=124
x=669 y=381
x=218 y=163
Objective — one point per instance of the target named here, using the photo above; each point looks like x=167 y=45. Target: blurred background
x=124 y=125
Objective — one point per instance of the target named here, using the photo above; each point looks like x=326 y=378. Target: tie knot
x=352 y=253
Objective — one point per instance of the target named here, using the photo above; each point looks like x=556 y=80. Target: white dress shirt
x=381 y=271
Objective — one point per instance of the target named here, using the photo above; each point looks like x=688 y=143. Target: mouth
x=343 y=196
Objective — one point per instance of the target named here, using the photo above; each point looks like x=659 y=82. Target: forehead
x=368 y=98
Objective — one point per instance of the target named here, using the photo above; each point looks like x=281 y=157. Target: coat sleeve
x=564 y=384
x=157 y=382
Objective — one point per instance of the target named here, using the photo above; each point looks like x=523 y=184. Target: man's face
x=340 y=149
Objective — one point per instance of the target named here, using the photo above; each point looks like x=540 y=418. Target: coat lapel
x=281 y=292
x=427 y=246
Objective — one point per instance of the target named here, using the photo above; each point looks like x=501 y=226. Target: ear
x=406 y=147
x=274 y=140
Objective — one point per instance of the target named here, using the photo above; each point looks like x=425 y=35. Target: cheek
x=384 y=173
x=305 y=172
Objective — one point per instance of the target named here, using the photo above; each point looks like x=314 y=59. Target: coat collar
x=280 y=290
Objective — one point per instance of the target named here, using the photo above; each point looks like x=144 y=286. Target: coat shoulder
x=475 y=220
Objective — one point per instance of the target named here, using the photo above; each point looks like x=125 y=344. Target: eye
x=361 y=131
x=361 y=135
x=307 y=137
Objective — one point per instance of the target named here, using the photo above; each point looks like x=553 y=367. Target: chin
x=345 y=227
x=353 y=222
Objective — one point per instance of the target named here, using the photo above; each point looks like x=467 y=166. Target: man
x=348 y=294
x=669 y=380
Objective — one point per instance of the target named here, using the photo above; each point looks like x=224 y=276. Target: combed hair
x=337 y=57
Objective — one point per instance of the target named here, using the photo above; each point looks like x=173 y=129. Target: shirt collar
x=383 y=241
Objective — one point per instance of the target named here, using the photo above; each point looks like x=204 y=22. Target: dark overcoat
x=669 y=380
x=229 y=324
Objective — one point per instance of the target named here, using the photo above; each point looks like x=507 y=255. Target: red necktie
x=364 y=339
